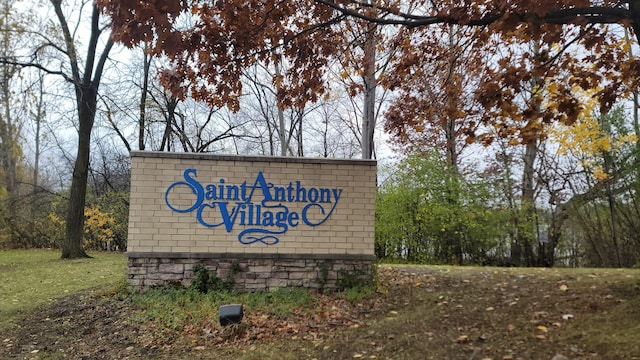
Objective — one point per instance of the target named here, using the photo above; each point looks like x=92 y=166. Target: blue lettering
x=281 y=219
x=293 y=219
x=320 y=208
x=313 y=195
x=261 y=183
x=267 y=218
x=232 y=192
x=201 y=219
x=191 y=183
x=228 y=219
x=252 y=206
x=325 y=195
x=336 y=194
x=211 y=192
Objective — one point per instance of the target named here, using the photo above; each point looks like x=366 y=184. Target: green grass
x=173 y=308
x=31 y=278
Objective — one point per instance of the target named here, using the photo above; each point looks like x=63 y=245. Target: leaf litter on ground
x=455 y=312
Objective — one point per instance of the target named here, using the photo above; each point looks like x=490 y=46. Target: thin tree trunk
x=8 y=136
x=39 y=115
x=369 y=77
x=299 y=134
x=282 y=133
x=170 y=120
x=146 y=59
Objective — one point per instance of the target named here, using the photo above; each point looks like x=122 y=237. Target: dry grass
x=418 y=312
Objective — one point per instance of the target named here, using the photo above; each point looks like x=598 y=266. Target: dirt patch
x=83 y=326
x=419 y=312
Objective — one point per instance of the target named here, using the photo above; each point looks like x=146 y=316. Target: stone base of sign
x=252 y=272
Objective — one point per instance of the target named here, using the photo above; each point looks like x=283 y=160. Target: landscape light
x=230 y=314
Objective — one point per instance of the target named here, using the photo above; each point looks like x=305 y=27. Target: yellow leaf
x=542 y=328
x=599 y=173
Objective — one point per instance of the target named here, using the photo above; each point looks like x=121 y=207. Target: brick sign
x=280 y=221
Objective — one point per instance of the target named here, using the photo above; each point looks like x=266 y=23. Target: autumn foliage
x=209 y=44
x=487 y=81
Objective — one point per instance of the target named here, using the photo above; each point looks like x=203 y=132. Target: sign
x=262 y=209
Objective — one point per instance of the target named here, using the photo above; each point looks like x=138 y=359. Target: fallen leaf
x=462 y=339
x=540 y=314
x=542 y=328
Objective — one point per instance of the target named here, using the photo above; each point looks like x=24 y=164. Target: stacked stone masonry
x=164 y=244
x=251 y=274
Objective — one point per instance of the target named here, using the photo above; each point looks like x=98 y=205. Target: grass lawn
x=414 y=312
x=31 y=278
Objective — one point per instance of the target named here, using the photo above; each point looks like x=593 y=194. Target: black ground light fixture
x=230 y=314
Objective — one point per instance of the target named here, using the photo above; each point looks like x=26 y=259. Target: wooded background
x=506 y=131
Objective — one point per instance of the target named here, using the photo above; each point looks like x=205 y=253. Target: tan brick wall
x=155 y=228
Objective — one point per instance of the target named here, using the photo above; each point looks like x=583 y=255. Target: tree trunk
x=72 y=246
x=282 y=133
x=86 y=91
x=521 y=249
x=300 y=117
x=608 y=167
x=170 y=120
x=8 y=135
x=39 y=118
x=369 y=77
x=146 y=64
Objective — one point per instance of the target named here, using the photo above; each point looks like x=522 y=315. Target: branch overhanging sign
x=260 y=208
